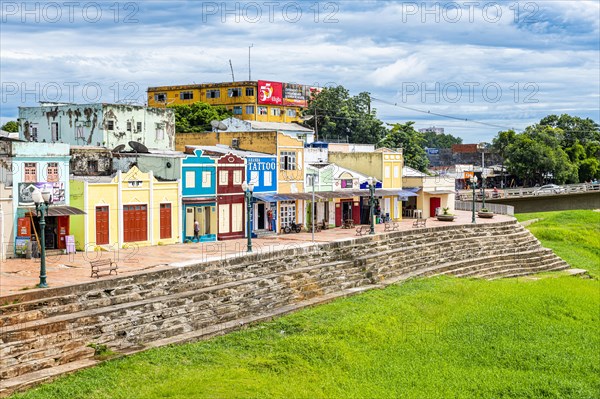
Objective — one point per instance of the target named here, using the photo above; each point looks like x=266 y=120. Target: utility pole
x=231 y=66
x=249 y=65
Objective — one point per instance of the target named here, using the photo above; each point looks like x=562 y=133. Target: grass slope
x=573 y=235
x=428 y=338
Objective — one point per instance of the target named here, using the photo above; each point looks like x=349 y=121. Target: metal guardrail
x=528 y=191
x=495 y=208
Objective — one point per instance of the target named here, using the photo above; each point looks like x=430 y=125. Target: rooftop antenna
x=249 y=68
x=231 y=66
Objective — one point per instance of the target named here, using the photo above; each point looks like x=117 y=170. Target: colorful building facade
x=289 y=152
x=231 y=174
x=26 y=167
x=385 y=166
x=127 y=210
x=199 y=196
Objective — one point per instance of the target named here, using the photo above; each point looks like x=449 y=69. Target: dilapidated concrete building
x=101 y=125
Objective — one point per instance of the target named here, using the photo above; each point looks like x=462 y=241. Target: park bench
x=420 y=222
x=391 y=226
x=361 y=230
x=318 y=227
x=103 y=265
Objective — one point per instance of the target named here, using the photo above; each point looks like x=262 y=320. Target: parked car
x=549 y=189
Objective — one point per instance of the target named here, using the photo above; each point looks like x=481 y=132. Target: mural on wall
x=26 y=189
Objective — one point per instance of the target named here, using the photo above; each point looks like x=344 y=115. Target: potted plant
x=485 y=213
x=446 y=216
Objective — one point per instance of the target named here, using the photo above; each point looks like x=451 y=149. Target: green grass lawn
x=573 y=235
x=426 y=338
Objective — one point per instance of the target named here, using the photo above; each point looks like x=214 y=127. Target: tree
x=560 y=148
x=434 y=140
x=500 y=145
x=536 y=156
x=412 y=143
x=574 y=128
x=11 y=127
x=343 y=117
x=196 y=117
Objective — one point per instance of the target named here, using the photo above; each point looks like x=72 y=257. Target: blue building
x=199 y=190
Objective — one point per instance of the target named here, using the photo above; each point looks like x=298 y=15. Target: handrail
x=527 y=191
x=499 y=209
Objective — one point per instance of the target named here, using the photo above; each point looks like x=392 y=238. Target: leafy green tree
x=196 y=117
x=500 y=145
x=574 y=128
x=443 y=140
x=412 y=143
x=344 y=117
x=536 y=156
x=11 y=127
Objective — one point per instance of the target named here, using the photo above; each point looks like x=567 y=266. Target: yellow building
x=383 y=164
x=125 y=210
x=433 y=192
x=263 y=101
x=290 y=155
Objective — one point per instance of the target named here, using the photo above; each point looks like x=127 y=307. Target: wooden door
x=434 y=202
x=356 y=213
x=189 y=221
x=200 y=220
x=338 y=214
x=102 y=225
x=135 y=223
x=165 y=221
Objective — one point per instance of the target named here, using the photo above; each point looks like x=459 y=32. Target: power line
x=445 y=116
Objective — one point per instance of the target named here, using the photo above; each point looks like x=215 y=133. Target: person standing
x=196 y=229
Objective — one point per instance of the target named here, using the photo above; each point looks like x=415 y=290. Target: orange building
x=260 y=100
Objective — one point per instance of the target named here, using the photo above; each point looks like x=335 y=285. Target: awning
x=272 y=197
x=196 y=200
x=62 y=210
x=391 y=192
x=412 y=189
x=439 y=192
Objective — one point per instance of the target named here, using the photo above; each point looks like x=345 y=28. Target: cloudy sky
x=472 y=67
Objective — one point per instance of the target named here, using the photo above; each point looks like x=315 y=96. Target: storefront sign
x=258 y=164
x=270 y=92
x=57 y=189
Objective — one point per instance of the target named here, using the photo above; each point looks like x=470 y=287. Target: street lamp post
x=248 y=188
x=312 y=211
x=483 y=178
x=474 y=184
x=42 y=200
x=372 y=204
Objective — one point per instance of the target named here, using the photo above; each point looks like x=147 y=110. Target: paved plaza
x=17 y=275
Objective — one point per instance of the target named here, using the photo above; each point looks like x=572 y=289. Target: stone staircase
x=51 y=328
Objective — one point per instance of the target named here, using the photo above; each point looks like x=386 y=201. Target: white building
x=105 y=125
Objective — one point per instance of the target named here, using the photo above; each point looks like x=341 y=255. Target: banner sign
x=57 y=189
x=295 y=95
x=270 y=92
